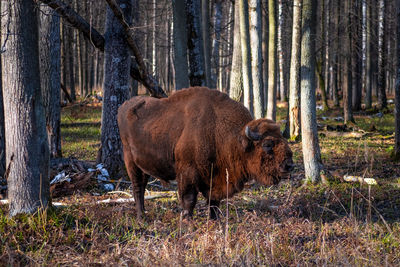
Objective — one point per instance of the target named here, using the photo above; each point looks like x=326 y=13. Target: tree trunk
x=180 y=45
x=70 y=53
x=256 y=57
x=115 y=88
x=327 y=46
x=216 y=41
x=336 y=68
x=236 y=81
x=368 y=73
x=50 y=52
x=2 y=133
x=265 y=34
x=322 y=87
x=280 y=52
x=153 y=35
x=382 y=58
x=294 y=100
x=397 y=86
x=310 y=143
x=271 y=108
x=347 y=69
x=205 y=27
x=140 y=74
x=195 y=43
x=25 y=126
x=356 y=55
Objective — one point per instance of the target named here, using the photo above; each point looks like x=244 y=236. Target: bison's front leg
x=214 y=209
x=187 y=191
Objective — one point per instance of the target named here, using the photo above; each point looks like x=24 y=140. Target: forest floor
x=289 y=224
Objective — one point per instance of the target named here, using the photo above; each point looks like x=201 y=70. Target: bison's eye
x=268 y=146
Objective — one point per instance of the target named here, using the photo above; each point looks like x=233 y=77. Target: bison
x=199 y=137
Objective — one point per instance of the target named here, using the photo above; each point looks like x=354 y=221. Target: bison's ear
x=246 y=143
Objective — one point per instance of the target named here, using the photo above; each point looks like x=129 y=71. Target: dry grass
x=286 y=225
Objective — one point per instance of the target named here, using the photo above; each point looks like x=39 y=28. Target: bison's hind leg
x=139 y=182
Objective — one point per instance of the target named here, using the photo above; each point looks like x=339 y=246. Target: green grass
x=80 y=131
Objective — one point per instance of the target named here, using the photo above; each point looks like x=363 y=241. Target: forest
x=114 y=152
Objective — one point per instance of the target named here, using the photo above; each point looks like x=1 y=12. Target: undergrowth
x=290 y=224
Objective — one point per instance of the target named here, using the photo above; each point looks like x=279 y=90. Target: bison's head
x=268 y=156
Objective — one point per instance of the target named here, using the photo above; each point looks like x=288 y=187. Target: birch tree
x=115 y=88
x=309 y=134
x=256 y=57
x=382 y=57
x=236 y=79
x=280 y=52
x=2 y=133
x=246 y=56
x=294 y=100
x=271 y=108
x=25 y=126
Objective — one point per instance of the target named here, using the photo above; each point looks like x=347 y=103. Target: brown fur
x=191 y=133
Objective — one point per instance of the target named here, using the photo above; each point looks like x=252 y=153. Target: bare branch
x=132 y=44
x=67 y=13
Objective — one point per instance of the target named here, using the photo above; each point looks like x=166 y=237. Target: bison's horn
x=254 y=136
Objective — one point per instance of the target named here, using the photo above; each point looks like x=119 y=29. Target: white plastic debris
x=108 y=187
x=61 y=177
x=339 y=119
x=351 y=178
x=319 y=107
x=390 y=101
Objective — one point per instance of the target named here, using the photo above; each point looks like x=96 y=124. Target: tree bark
x=205 y=27
x=356 y=55
x=180 y=45
x=347 y=69
x=397 y=86
x=216 y=41
x=195 y=43
x=25 y=126
x=327 y=45
x=368 y=73
x=2 y=133
x=115 y=88
x=382 y=58
x=310 y=143
x=246 y=55
x=271 y=108
x=70 y=53
x=256 y=57
x=265 y=34
x=335 y=56
x=280 y=52
x=294 y=100
x=236 y=79
x=50 y=75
